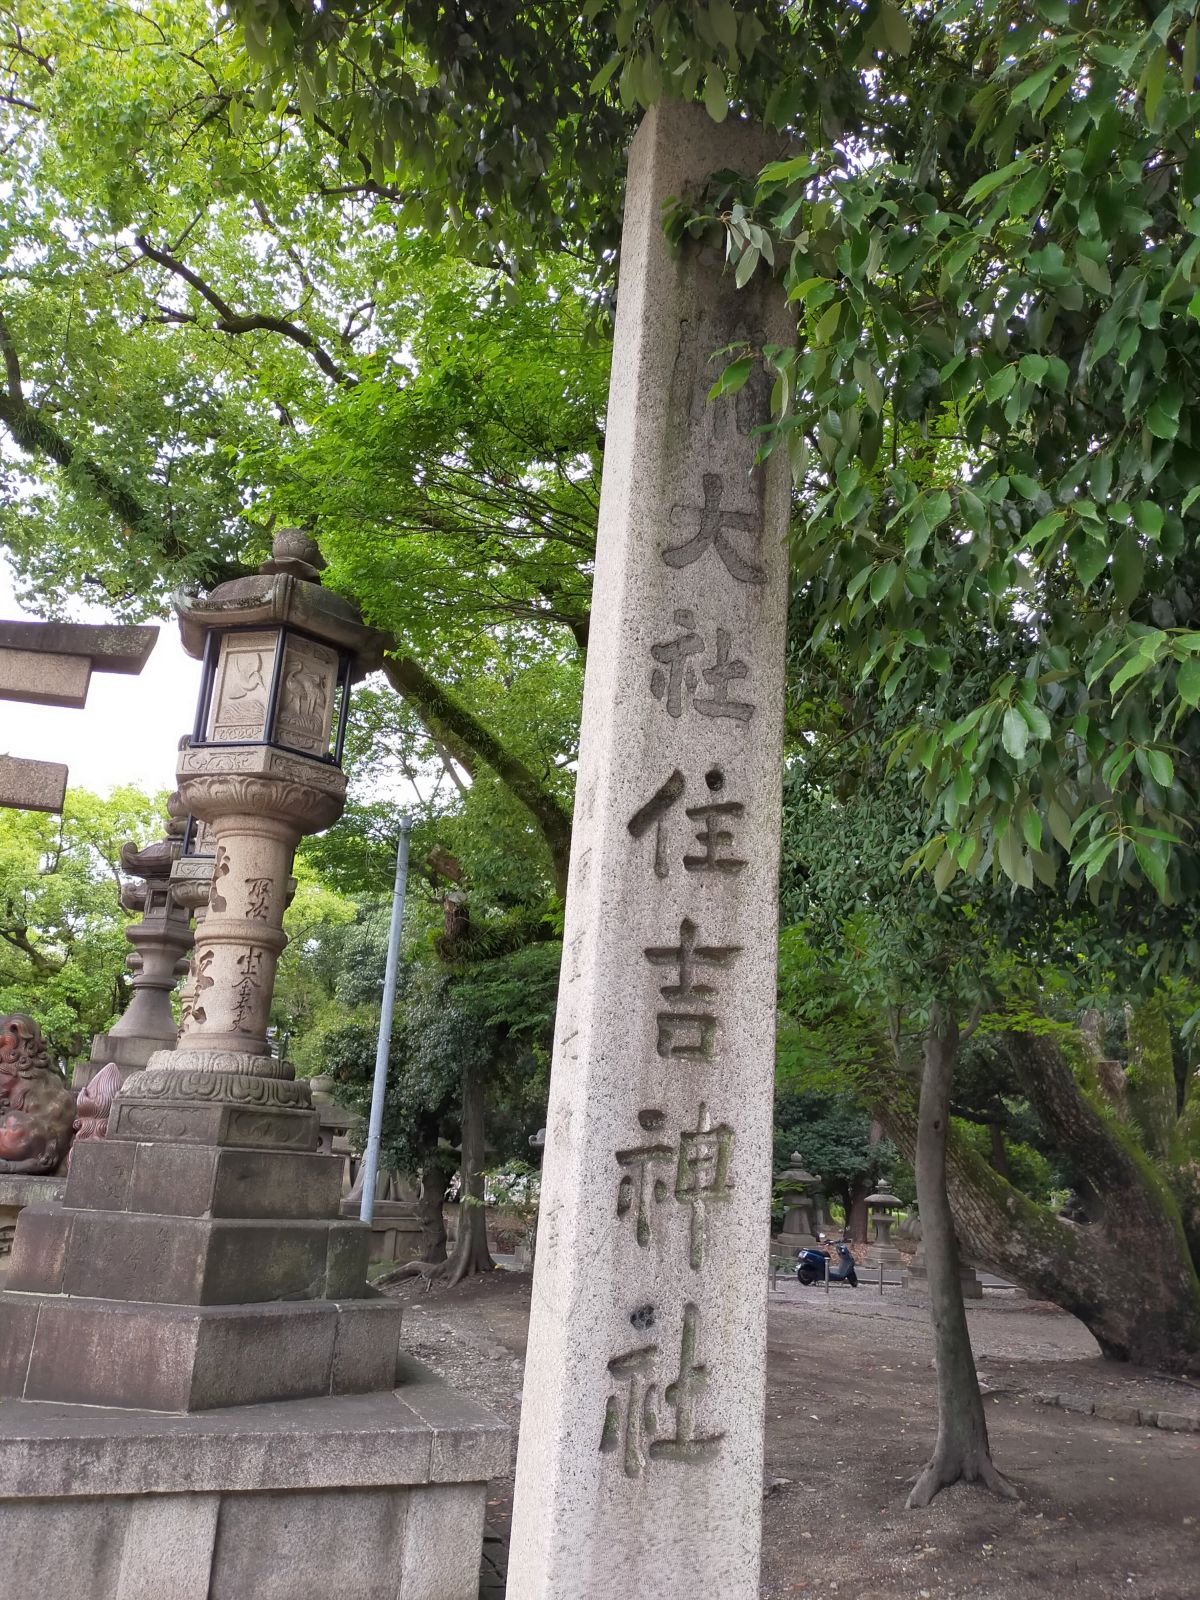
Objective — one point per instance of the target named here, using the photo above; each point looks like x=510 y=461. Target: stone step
x=191 y=1180
x=129 y=1255
x=177 y=1358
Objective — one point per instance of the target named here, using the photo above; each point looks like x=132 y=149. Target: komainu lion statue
x=37 y=1110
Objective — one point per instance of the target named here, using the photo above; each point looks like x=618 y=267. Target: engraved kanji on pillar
x=639 y=1467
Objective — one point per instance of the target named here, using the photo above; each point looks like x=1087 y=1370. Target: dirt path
x=1109 y=1509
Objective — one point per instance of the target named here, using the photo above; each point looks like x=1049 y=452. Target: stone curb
x=1114 y=1411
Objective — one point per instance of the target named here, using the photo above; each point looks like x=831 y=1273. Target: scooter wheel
x=852 y=1280
x=806 y=1279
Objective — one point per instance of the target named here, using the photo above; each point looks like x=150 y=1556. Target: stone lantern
x=207 y=1203
x=198 y=1262
x=880 y=1207
x=261 y=770
x=795 y=1188
x=161 y=939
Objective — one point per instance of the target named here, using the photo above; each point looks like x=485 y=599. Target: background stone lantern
x=795 y=1187
x=880 y=1207
x=161 y=939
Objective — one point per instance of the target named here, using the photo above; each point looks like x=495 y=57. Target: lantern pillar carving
x=260 y=771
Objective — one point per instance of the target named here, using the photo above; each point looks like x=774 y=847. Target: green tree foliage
x=996 y=268
x=215 y=318
x=881 y=955
x=62 y=926
x=496 y=1013
x=987 y=232
x=831 y=1133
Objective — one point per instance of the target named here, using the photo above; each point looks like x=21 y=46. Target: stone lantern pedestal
x=198 y=1280
x=916 y=1278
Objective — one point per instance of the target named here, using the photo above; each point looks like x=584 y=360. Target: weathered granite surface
x=50 y=663
x=640 y=1459
x=21 y=1189
x=32 y=785
x=383 y=1493
x=110 y=646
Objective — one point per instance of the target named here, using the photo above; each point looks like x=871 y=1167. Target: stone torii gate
x=51 y=664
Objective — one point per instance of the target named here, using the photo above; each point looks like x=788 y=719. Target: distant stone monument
x=880 y=1208
x=640 y=1461
x=161 y=938
x=916 y=1276
x=798 y=1194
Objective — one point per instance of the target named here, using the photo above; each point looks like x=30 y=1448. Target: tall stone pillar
x=640 y=1459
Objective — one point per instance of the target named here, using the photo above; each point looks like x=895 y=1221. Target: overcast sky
x=128 y=731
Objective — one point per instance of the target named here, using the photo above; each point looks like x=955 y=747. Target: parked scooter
x=812 y=1266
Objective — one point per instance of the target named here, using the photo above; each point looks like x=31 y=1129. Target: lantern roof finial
x=296 y=553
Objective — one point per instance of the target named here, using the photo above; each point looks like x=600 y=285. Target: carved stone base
x=397 y=1232
x=192 y=1105
x=916 y=1279
x=789 y=1243
x=176 y=1358
x=182 y=1074
x=228 y=1126
x=186 y=1261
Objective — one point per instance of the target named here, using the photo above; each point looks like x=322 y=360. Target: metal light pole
x=383 y=1048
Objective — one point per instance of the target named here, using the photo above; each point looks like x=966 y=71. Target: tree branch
x=19 y=939
x=469 y=743
x=234 y=322
x=36 y=435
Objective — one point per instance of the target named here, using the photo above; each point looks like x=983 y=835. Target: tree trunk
x=961 y=1451
x=471 y=1253
x=1150 y=1077
x=1131 y=1279
x=856 y=1209
x=999 y=1152
x=469 y=742
x=430 y=1192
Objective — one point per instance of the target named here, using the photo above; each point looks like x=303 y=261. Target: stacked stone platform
x=185 y=1277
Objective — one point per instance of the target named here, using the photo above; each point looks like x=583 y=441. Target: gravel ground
x=1107 y=1508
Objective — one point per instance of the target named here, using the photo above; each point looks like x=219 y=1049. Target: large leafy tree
x=990 y=417
x=879 y=960
x=988 y=235
x=989 y=529
x=213 y=318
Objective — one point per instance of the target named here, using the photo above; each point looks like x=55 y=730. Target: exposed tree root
x=470 y=1258
x=948 y=1467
